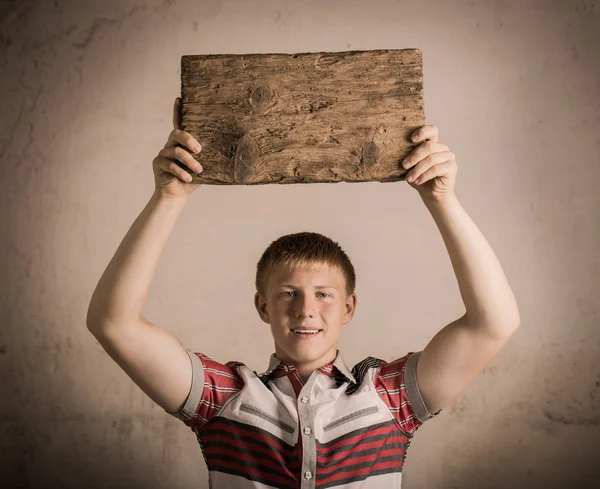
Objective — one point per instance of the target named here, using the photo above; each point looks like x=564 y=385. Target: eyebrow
x=316 y=286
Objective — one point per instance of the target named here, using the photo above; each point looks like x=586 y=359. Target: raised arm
x=460 y=351
x=152 y=357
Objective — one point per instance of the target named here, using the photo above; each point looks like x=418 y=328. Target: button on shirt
x=344 y=429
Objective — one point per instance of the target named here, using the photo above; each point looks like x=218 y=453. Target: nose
x=303 y=305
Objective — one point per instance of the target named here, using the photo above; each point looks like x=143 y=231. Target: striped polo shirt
x=344 y=429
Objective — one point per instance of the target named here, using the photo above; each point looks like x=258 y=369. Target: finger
x=177 y=113
x=424 y=165
x=425 y=132
x=422 y=151
x=172 y=167
x=180 y=154
x=446 y=168
x=185 y=139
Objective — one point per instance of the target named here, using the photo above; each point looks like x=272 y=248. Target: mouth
x=305 y=332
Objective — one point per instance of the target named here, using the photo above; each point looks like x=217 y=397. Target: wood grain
x=302 y=118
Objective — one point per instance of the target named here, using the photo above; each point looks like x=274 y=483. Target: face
x=295 y=298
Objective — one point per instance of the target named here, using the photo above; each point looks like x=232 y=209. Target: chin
x=308 y=351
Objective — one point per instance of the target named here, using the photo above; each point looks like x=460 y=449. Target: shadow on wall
x=75 y=446
x=559 y=430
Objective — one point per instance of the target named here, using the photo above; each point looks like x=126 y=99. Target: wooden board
x=302 y=118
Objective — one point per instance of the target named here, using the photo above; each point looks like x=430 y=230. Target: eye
x=291 y=292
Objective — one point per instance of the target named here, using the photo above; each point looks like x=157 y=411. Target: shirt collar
x=287 y=366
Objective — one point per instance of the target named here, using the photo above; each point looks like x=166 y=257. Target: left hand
x=433 y=166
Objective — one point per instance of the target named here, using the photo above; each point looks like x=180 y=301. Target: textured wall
x=87 y=91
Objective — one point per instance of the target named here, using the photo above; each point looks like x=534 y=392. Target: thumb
x=177 y=113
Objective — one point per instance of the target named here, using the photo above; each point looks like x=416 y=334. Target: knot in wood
x=261 y=98
x=243 y=160
x=370 y=153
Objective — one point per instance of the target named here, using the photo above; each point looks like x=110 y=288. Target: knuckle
x=179 y=152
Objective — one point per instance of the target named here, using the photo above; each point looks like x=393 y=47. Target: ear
x=261 y=307
x=351 y=303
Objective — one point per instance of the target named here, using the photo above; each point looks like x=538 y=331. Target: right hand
x=170 y=180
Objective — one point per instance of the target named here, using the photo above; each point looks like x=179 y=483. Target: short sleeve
x=396 y=383
x=213 y=383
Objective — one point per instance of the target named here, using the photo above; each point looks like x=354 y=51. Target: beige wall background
x=87 y=94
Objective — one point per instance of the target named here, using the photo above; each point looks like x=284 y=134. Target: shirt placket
x=307 y=434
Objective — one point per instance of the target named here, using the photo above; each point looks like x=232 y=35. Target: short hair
x=303 y=249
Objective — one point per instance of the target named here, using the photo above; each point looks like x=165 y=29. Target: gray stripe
x=195 y=395
x=358 y=414
x=268 y=417
x=412 y=388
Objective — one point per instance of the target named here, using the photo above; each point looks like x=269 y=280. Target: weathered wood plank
x=302 y=118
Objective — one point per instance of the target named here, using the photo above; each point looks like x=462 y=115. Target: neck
x=306 y=369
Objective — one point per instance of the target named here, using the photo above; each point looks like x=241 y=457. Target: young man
x=308 y=421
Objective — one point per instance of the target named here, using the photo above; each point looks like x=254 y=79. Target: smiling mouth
x=306 y=333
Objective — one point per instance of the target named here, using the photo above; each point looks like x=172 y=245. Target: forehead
x=310 y=275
